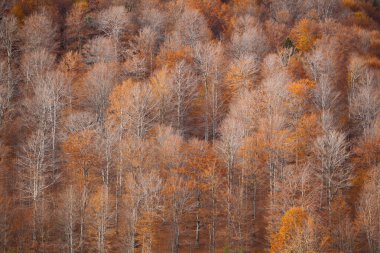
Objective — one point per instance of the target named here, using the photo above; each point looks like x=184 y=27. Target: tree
x=301 y=92
x=53 y=89
x=133 y=108
x=231 y=141
x=297 y=233
x=275 y=119
x=102 y=214
x=209 y=60
x=36 y=176
x=322 y=65
x=143 y=206
x=326 y=100
x=178 y=189
x=69 y=215
x=202 y=167
x=179 y=203
x=363 y=97
x=325 y=9
x=100 y=50
x=286 y=11
x=297 y=189
x=302 y=117
x=249 y=41
x=248 y=109
x=99 y=83
x=5 y=92
x=142 y=50
x=51 y=92
x=343 y=231
x=131 y=114
x=237 y=150
x=191 y=28
x=39 y=32
x=113 y=22
x=155 y=19
x=242 y=74
x=333 y=172
x=184 y=89
x=72 y=65
x=82 y=161
x=304 y=35
x=35 y=64
x=369 y=209
x=75 y=24
x=9 y=39
x=4 y=5
x=161 y=83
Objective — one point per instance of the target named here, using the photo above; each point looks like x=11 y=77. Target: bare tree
x=8 y=40
x=285 y=10
x=179 y=202
x=247 y=109
x=325 y=9
x=133 y=108
x=99 y=84
x=243 y=73
x=53 y=89
x=232 y=135
x=80 y=121
x=273 y=126
x=5 y=91
x=184 y=88
x=143 y=47
x=333 y=172
x=82 y=160
x=142 y=199
x=102 y=217
x=155 y=19
x=191 y=28
x=113 y=22
x=250 y=41
x=209 y=60
x=70 y=217
x=326 y=100
x=39 y=32
x=35 y=64
x=369 y=211
x=321 y=61
x=363 y=96
x=100 y=49
x=50 y=95
x=36 y=176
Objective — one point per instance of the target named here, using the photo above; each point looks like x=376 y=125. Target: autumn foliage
x=189 y=126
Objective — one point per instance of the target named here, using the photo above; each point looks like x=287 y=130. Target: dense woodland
x=190 y=126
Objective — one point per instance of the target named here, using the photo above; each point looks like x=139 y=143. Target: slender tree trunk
x=254 y=198
x=198 y=226
x=206 y=113
x=175 y=243
x=83 y=219
x=10 y=75
x=34 y=232
x=53 y=133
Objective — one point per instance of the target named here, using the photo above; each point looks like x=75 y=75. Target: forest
x=190 y=126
